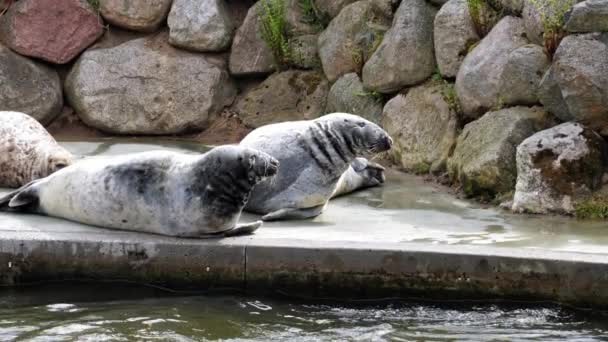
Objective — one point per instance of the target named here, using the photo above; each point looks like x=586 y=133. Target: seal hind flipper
x=21 y=197
x=294 y=213
x=243 y=229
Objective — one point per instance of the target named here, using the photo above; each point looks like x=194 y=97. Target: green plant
x=436 y=75
x=475 y=11
x=450 y=97
x=312 y=16
x=593 y=207
x=357 y=56
x=273 y=28
x=95 y=4
x=552 y=17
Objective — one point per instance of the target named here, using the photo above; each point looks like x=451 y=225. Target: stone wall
x=462 y=86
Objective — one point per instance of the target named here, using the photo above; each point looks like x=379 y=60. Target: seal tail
x=22 y=198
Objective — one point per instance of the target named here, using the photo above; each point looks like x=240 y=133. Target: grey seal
x=27 y=150
x=160 y=192
x=314 y=155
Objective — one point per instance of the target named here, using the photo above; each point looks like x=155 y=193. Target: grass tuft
x=593 y=207
x=552 y=17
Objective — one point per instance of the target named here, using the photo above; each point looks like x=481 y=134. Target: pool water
x=100 y=312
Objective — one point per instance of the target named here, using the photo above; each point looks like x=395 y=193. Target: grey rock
x=522 y=74
x=29 y=87
x=331 y=8
x=588 y=16
x=304 y=51
x=454 y=34
x=532 y=23
x=550 y=95
x=580 y=67
x=284 y=96
x=146 y=86
x=478 y=80
x=347 y=95
x=296 y=20
x=405 y=56
x=349 y=39
x=136 y=15
x=483 y=162
x=511 y=6
x=203 y=25
x=423 y=126
x=249 y=54
x=557 y=166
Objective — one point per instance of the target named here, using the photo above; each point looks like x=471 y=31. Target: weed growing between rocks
x=476 y=8
x=273 y=28
x=552 y=17
x=95 y=4
x=594 y=207
x=312 y=16
x=448 y=91
x=376 y=96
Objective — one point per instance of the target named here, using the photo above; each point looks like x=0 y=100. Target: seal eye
x=361 y=124
x=60 y=166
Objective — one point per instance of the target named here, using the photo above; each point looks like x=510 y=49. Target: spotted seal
x=27 y=150
x=314 y=155
x=160 y=192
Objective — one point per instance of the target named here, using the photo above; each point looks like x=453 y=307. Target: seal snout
x=272 y=168
x=388 y=142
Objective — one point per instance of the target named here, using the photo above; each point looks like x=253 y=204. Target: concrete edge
x=302 y=268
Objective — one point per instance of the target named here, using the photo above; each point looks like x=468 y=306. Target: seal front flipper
x=294 y=213
x=243 y=229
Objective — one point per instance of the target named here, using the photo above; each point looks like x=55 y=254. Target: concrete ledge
x=308 y=268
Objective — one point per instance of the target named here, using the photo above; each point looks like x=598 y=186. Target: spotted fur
x=27 y=151
x=160 y=192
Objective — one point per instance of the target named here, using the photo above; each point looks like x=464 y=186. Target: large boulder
x=550 y=95
x=146 y=86
x=29 y=87
x=580 y=71
x=284 y=96
x=424 y=126
x=136 y=15
x=521 y=75
x=52 y=30
x=557 y=166
x=479 y=78
x=405 y=56
x=203 y=25
x=588 y=16
x=454 y=34
x=347 y=95
x=249 y=54
x=351 y=37
x=483 y=162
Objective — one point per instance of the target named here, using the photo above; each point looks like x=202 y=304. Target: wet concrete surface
x=407 y=237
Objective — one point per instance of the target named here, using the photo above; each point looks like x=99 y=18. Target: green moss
x=273 y=28
x=450 y=97
x=376 y=96
x=593 y=207
x=421 y=168
x=377 y=37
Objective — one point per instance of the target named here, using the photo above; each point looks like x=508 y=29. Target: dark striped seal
x=158 y=192
x=314 y=155
x=27 y=150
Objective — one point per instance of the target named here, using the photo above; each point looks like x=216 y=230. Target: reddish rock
x=53 y=30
